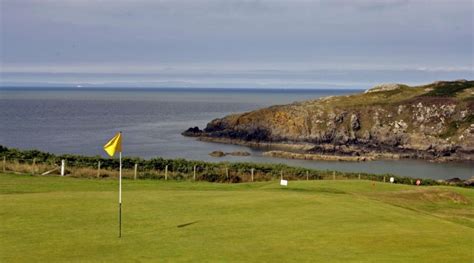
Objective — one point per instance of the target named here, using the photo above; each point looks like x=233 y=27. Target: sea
x=81 y=120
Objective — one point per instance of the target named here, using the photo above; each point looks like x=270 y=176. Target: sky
x=247 y=44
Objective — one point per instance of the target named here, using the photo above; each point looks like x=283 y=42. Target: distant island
x=432 y=122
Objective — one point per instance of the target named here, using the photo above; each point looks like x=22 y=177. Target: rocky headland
x=433 y=122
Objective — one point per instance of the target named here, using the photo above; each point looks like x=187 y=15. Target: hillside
x=433 y=121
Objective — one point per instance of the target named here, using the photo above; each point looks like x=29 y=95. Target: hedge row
x=207 y=171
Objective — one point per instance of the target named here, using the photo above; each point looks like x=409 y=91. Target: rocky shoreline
x=325 y=152
x=432 y=122
x=330 y=153
x=317 y=157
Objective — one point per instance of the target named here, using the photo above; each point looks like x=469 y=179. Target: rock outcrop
x=222 y=154
x=434 y=121
x=384 y=87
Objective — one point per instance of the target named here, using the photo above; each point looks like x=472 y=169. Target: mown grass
x=57 y=219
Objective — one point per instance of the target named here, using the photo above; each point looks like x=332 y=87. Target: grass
x=376 y=98
x=55 y=219
x=450 y=89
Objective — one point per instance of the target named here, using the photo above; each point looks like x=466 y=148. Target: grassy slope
x=66 y=219
x=458 y=90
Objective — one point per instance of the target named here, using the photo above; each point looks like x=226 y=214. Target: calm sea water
x=81 y=121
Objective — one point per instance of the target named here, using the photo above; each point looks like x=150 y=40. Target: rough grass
x=375 y=98
x=449 y=89
x=38 y=168
x=56 y=219
x=404 y=93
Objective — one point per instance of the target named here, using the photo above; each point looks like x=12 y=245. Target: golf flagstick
x=120 y=195
x=115 y=145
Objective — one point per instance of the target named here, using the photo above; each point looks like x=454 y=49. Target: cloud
x=223 y=68
x=374 y=5
x=230 y=76
x=233 y=36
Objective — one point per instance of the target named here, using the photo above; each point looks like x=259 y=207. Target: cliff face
x=431 y=121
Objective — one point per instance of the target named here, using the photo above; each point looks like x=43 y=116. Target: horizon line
x=88 y=88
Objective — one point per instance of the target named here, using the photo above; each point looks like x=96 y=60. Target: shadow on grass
x=157 y=231
x=187 y=224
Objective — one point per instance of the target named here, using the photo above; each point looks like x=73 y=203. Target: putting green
x=53 y=219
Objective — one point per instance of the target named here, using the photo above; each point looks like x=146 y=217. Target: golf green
x=57 y=219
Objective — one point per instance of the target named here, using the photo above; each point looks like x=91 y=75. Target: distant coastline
x=177 y=89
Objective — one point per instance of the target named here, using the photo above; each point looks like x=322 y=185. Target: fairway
x=57 y=219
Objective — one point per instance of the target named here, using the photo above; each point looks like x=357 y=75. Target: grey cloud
x=267 y=34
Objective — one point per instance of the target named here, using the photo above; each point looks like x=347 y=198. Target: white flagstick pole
x=120 y=195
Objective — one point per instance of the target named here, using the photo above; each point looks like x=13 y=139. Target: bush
x=181 y=169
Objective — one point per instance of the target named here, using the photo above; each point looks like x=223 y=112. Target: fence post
x=194 y=173
x=251 y=172
x=166 y=172
x=4 y=163
x=63 y=167
x=384 y=179
x=281 y=175
x=307 y=175
x=227 y=173
x=359 y=176
x=334 y=175
x=135 y=172
x=98 y=169
x=33 y=166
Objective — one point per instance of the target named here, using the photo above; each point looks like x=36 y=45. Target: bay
x=79 y=121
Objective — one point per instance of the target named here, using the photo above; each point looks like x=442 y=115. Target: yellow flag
x=114 y=145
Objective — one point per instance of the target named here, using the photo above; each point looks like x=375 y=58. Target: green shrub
x=181 y=169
